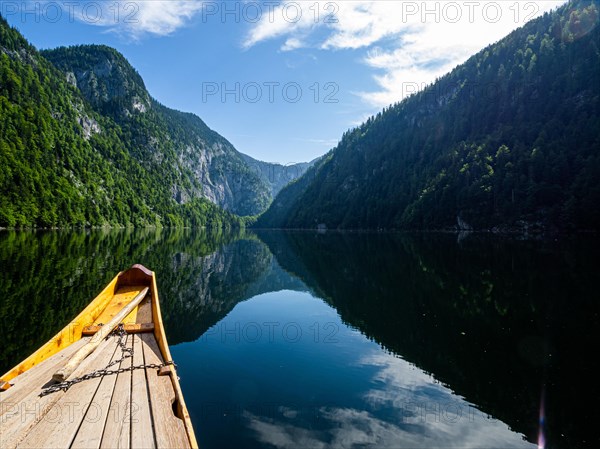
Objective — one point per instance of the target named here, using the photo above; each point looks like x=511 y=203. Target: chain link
x=126 y=353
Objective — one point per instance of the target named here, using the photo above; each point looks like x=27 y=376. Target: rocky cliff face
x=277 y=176
x=204 y=163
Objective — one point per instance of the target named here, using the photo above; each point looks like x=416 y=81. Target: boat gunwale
x=69 y=334
x=163 y=345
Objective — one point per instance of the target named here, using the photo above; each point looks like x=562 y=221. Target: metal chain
x=126 y=353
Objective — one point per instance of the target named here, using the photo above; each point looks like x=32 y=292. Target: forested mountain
x=83 y=143
x=205 y=163
x=287 y=200
x=277 y=176
x=509 y=139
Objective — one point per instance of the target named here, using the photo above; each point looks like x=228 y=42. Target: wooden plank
x=169 y=430
x=144 y=314
x=70 y=409
x=68 y=335
x=117 y=431
x=64 y=373
x=142 y=432
x=90 y=433
x=122 y=297
x=33 y=379
x=32 y=409
x=129 y=328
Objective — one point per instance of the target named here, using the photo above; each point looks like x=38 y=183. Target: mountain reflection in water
x=438 y=342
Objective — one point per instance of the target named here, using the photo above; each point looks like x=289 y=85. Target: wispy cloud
x=329 y=143
x=287 y=19
x=162 y=17
x=292 y=44
x=132 y=18
x=407 y=44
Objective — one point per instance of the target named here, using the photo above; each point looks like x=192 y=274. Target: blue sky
x=281 y=80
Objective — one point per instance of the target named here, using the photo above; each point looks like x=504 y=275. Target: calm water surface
x=306 y=340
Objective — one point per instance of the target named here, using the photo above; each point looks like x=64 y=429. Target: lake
x=354 y=340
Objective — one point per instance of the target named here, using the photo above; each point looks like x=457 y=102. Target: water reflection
x=430 y=330
x=497 y=320
x=282 y=370
x=46 y=278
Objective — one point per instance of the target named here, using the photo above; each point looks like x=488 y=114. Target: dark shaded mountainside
x=83 y=143
x=508 y=140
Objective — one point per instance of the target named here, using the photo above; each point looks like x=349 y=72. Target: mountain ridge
x=84 y=144
x=114 y=88
x=505 y=141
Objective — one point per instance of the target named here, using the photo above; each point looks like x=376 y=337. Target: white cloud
x=329 y=143
x=163 y=17
x=292 y=44
x=406 y=43
x=434 y=47
x=135 y=18
x=361 y=24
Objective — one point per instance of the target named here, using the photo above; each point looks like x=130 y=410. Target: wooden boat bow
x=152 y=395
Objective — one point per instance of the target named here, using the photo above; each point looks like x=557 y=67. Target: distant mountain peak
x=104 y=76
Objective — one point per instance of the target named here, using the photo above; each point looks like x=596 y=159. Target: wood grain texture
x=80 y=355
x=135 y=328
x=117 y=431
x=70 y=409
x=169 y=430
x=131 y=409
x=123 y=296
x=33 y=379
x=144 y=313
x=33 y=408
x=136 y=275
x=142 y=429
x=90 y=433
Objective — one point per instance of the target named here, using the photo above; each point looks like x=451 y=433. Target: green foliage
x=509 y=136
x=102 y=153
x=177 y=147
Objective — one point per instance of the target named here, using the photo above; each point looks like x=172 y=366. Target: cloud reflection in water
x=407 y=408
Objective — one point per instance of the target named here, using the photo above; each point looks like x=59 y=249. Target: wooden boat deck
x=136 y=409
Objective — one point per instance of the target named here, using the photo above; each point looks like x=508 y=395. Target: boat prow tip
x=139 y=266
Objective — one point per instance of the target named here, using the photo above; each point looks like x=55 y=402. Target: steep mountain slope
x=277 y=176
x=205 y=163
x=63 y=163
x=287 y=200
x=508 y=139
x=83 y=143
